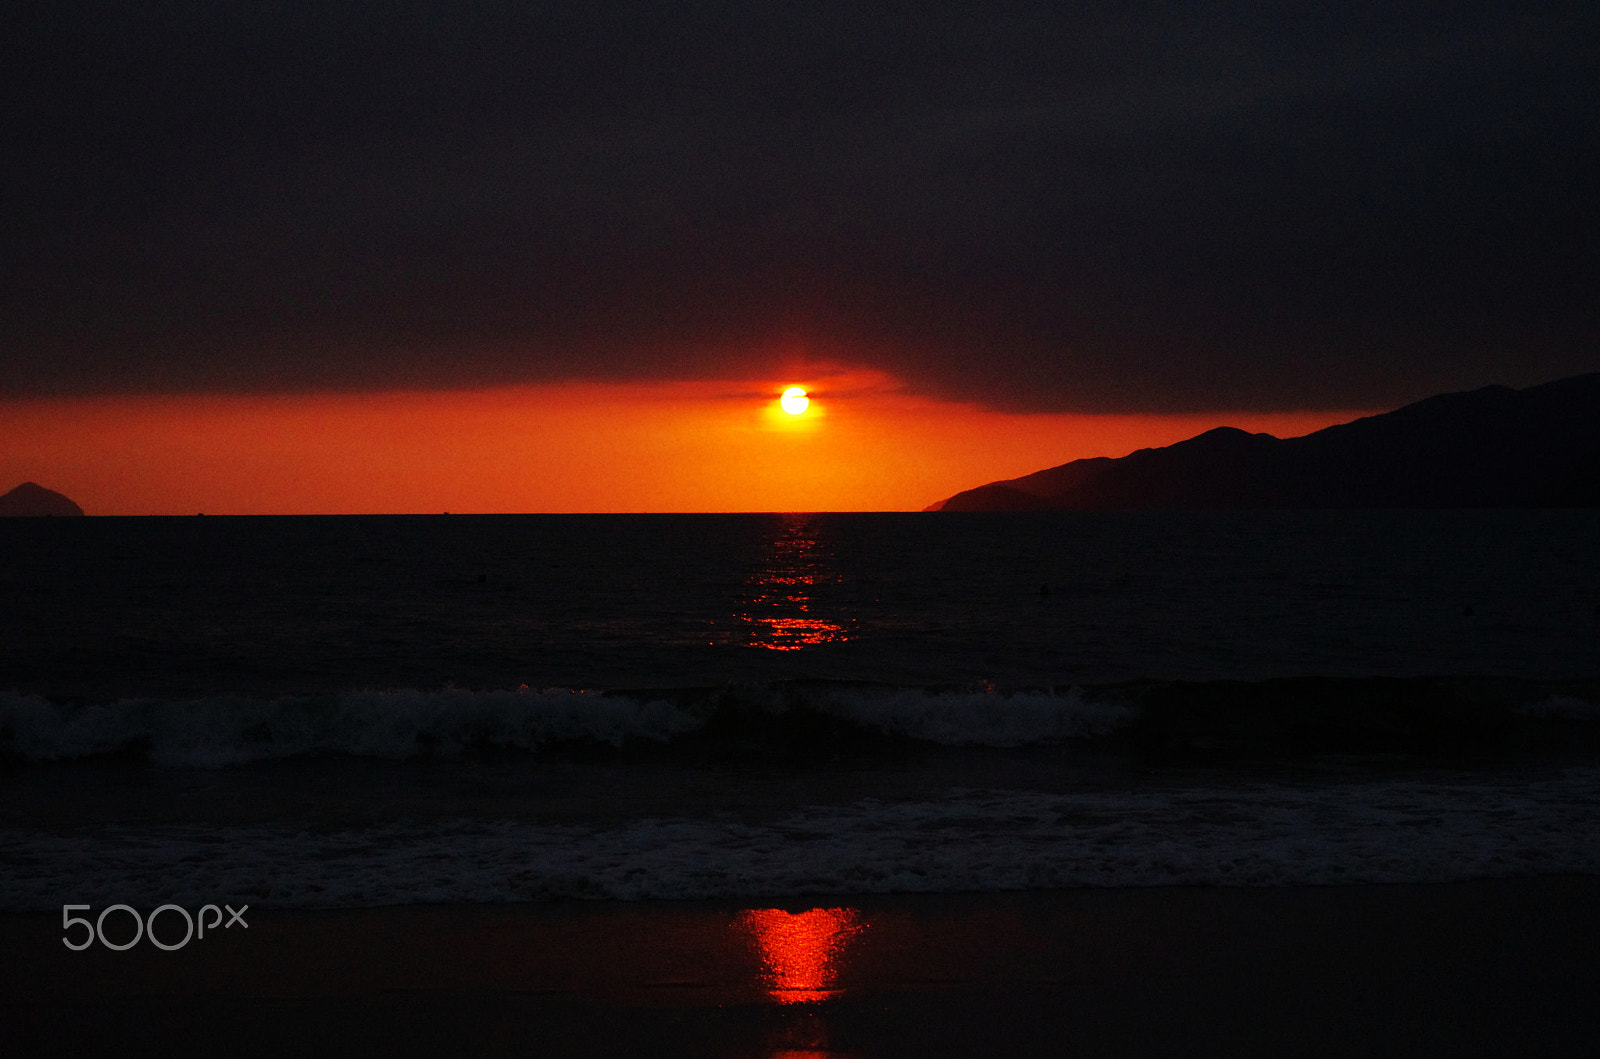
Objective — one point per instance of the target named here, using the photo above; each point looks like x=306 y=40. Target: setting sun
x=794 y=400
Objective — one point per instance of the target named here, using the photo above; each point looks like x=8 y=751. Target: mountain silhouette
x=31 y=499
x=1494 y=447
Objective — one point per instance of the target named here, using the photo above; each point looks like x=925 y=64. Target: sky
x=491 y=255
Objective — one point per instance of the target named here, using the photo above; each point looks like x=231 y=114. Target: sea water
x=339 y=711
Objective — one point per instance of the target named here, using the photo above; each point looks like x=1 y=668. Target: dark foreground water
x=369 y=710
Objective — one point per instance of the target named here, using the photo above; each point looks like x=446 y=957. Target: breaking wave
x=965 y=840
x=400 y=724
x=802 y=720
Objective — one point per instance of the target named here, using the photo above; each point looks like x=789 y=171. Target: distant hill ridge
x=30 y=498
x=1494 y=447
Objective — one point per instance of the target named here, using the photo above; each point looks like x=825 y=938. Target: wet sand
x=1485 y=968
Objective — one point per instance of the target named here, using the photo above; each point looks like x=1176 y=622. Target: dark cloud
x=1164 y=206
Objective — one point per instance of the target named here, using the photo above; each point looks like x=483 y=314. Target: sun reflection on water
x=801 y=952
x=780 y=607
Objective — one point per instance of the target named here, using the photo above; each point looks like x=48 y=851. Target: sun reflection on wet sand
x=779 y=609
x=801 y=952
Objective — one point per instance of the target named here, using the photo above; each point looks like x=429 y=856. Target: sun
x=794 y=400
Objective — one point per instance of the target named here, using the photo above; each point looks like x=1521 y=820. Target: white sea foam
x=1563 y=707
x=966 y=840
x=214 y=732
x=399 y=724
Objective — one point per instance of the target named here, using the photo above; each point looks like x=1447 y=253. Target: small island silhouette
x=31 y=499
x=1494 y=447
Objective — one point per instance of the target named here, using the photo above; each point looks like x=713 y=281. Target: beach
x=1491 y=967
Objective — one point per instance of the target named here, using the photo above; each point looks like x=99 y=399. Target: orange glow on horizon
x=802 y=951
x=863 y=444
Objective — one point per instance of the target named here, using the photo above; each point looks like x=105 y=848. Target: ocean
x=342 y=712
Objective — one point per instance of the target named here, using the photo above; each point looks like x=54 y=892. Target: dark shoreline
x=1491 y=967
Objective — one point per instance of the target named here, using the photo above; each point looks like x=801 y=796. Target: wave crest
x=397 y=724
